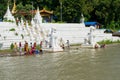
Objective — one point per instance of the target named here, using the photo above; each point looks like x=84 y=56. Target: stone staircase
x=75 y=33
x=8 y=37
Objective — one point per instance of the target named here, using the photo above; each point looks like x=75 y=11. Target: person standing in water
x=15 y=47
x=20 y=48
x=68 y=44
x=41 y=47
x=26 y=48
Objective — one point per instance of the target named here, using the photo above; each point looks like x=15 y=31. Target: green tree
x=105 y=12
x=24 y=11
x=3 y=7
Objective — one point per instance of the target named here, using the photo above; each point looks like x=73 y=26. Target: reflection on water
x=81 y=64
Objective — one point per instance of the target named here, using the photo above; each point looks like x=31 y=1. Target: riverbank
x=8 y=52
x=109 y=42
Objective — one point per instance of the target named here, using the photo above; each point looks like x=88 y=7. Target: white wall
x=73 y=32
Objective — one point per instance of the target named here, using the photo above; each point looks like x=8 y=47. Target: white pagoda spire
x=38 y=18
x=82 y=19
x=8 y=16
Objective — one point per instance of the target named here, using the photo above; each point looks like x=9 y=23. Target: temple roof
x=41 y=11
x=46 y=11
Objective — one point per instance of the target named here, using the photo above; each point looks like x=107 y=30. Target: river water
x=77 y=64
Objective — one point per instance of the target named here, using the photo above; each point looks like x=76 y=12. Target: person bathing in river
x=68 y=44
x=99 y=46
x=34 y=45
x=63 y=46
x=20 y=48
x=31 y=51
x=41 y=47
x=102 y=46
x=26 y=50
x=31 y=45
x=15 y=47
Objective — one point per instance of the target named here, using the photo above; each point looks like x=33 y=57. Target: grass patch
x=108 y=42
x=6 y=51
x=75 y=44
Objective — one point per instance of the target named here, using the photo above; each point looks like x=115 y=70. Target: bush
x=16 y=34
x=22 y=36
x=5 y=20
x=12 y=29
x=11 y=46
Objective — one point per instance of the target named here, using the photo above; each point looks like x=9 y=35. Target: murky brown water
x=82 y=64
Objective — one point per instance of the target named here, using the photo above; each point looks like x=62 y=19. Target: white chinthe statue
x=54 y=42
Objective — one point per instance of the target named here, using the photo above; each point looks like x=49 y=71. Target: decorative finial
x=82 y=18
x=82 y=15
x=8 y=2
x=14 y=8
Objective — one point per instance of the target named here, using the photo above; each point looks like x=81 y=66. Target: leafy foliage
x=12 y=29
x=12 y=46
x=105 y=12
